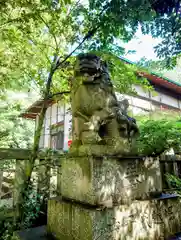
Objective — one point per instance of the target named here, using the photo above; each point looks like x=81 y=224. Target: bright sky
x=144 y=46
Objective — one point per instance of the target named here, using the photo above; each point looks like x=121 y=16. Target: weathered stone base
x=102 y=150
x=142 y=220
x=109 y=180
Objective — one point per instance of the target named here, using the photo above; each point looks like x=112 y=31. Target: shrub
x=156 y=136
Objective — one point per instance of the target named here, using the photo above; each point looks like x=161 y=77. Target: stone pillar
x=44 y=178
x=19 y=182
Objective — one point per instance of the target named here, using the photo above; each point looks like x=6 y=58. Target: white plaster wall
x=48 y=113
x=156 y=96
x=47 y=134
x=169 y=100
x=54 y=114
x=47 y=127
x=179 y=103
x=145 y=104
x=61 y=111
x=67 y=126
x=141 y=91
x=42 y=138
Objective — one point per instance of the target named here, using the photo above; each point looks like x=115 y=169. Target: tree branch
x=50 y=32
x=19 y=19
x=73 y=7
x=59 y=93
x=42 y=44
x=88 y=35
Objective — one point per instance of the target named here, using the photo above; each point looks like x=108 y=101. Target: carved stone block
x=109 y=180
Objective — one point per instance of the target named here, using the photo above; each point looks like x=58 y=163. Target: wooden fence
x=45 y=174
x=170 y=164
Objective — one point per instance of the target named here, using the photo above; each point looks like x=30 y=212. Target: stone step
x=38 y=233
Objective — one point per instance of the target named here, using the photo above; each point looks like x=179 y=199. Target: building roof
x=154 y=78
x=157 y=79
x=35 y=109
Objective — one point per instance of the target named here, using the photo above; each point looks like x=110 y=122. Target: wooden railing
x=46 y=173
x=170 y=164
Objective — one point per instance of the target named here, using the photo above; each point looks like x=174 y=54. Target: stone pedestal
x=141 y=220
x=108 y=198
x=109 y=180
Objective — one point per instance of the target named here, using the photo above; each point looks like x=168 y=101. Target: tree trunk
x=30 y=164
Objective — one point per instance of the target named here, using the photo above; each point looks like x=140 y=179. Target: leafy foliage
x=6 y=229
x=162 y=7
x=31 y=210
x=168 y=28
x=34 y=33
x=31 y=206
x=123 y=75
x=31 y=34
x=15 y=132
x=116 y=19
x=122 y=19
x=175 y=182
x=156 y=136
x=151 y=65
x=36 y=36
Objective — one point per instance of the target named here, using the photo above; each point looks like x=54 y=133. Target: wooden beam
x=56 y=155
x=10 y=153
x=25 y=154
x=27 y=115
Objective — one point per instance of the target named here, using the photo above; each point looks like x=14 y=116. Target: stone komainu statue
x=97 y=116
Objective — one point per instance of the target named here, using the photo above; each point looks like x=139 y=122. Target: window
x=59 y=142
x=57 y=137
